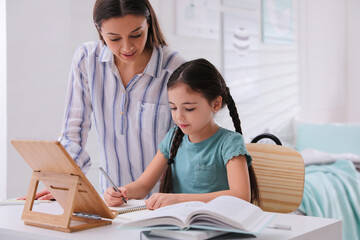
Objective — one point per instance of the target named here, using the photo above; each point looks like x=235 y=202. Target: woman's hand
x=113 y=198
x=41 y=195
x=158 y=200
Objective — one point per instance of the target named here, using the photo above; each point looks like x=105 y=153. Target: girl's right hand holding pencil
x=114 y=198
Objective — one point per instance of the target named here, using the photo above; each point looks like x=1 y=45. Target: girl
x=121 y=81
x=201 y=160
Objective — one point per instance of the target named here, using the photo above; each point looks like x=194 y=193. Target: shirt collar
x=153 y=68
x=105 y=55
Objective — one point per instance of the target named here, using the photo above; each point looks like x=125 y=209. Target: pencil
x=112 y=183
x=20 y=202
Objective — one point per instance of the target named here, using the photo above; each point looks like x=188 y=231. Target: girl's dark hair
x=202 y=77
x=106 y=9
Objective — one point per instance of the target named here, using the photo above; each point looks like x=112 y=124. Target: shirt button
x=124 y=91
x=121 y=113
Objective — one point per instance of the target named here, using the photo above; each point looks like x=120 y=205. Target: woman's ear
x=216 y=104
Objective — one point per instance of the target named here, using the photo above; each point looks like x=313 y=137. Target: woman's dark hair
x=202 y=77
x=106 y=9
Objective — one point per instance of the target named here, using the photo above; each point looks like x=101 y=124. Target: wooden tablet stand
x=54 y=167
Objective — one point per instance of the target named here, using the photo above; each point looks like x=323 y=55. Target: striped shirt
x=130 y=120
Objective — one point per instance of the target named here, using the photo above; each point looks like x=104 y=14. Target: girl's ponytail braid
x=166 y=185
x=255 y=195
x=233 y=110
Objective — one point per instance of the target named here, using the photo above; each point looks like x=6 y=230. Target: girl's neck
x=204 y=133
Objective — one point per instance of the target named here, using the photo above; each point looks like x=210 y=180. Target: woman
x=120 y=79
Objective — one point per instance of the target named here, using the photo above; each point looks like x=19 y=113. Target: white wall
x=41 y=38
x=353 y=60
x=323 y=60
x=3 y=102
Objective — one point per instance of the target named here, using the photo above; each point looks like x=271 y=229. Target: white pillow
x=313 y=156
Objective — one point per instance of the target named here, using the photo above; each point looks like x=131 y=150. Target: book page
x=232 y=211
x=176 y=214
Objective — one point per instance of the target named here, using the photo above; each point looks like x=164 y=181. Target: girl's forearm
x=136 y=190
x=206 y=197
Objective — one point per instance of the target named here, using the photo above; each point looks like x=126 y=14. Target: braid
x=166 y=185
x=233 y=111
x=255 y=195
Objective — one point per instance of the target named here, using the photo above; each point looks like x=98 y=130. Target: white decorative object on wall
x=240 y=44
x=243 y=4
x=277 y=21
x=241 y=41
x=198 y=18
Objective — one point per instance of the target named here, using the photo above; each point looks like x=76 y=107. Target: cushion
x=332 y=138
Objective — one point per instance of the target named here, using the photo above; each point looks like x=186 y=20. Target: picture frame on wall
x=242 y=4
x=277 y=22
x=198 y=18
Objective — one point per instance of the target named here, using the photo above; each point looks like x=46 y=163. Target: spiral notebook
x=131 y=209
x=132 y=205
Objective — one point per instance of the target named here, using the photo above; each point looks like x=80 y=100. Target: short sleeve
x=165 y=144
x=234 y=146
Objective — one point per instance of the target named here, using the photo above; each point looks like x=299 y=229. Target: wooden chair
x=280 y=174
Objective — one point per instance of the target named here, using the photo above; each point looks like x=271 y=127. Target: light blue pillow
x=331 y=138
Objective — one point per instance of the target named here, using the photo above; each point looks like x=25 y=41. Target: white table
x=303 y=227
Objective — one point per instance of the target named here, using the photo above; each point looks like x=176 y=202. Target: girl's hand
x=158 y=200
x=113 y=198
x=41 y=195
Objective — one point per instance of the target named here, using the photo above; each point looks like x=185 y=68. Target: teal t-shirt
x=201 y=167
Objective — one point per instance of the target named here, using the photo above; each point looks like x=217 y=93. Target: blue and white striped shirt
x=130 y=120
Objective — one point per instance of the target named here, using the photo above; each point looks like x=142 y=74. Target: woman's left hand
x=158 y=200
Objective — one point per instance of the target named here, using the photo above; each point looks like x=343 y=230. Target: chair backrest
x=280 y=174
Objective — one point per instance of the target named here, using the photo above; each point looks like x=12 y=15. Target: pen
x=280 y=226
x=112 y=183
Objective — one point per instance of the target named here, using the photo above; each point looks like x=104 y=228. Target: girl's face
x=192 y=112
x=125 y=36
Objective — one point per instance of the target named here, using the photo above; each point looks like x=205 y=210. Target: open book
x=224 y=213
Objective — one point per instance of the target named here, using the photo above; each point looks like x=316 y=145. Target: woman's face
x=125 y=36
